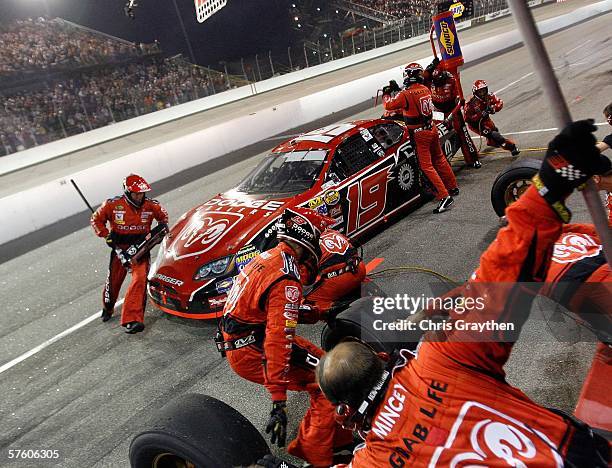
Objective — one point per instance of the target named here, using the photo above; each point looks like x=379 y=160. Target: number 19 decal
x=367 y=198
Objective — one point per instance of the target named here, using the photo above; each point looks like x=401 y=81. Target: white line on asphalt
x=540 y=130
x=49 y=342
x=577 y=47
x=513 y=83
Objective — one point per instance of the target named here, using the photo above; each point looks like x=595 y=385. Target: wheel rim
x=170 y=460
x=515 y=190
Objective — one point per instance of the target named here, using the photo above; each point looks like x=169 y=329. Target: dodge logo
x=203 y=232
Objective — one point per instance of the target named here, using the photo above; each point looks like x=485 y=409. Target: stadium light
x=296 y=18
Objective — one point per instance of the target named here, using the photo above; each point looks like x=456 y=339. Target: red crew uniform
x=262 y=310
x=341 y=271
x=477 y=111
x=416 y=106
x=451 y=405
x=127 y=225
x=446 y=98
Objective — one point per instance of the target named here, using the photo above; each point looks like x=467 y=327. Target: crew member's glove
x=109 y=241
x=277 y=424
x=571 y=159
x=270 y=461
x=309 y=314
x=433 y=65
x=485 y=115
x=387 y=91
x=395 y=88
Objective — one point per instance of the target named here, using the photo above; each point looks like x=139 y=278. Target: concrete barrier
x=41 y=206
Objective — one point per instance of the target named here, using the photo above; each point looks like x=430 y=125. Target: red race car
x=359 y=173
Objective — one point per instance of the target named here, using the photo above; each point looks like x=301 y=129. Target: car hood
x=220 y=226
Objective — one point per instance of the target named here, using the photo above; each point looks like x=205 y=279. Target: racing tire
x=512 y=182
x=197 y=431
x=357 y=322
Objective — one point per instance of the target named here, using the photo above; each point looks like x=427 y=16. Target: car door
x=363 y=169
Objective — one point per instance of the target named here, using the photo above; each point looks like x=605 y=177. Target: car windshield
x=284 y=173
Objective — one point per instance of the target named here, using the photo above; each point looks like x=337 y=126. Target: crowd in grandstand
x=41 y=44
x=400 y=8
x=97 y=98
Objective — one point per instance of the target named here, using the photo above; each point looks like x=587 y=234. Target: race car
x=359 y=173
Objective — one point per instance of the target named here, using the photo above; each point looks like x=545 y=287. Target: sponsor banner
x=464 y=25
x=497 y=14
x=448 y=41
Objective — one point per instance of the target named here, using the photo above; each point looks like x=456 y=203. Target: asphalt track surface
x=88 y=393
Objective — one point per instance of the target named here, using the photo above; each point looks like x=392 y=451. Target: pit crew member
x=392 y=89
x=607 y=141
x=415 y=103
x=340 y=273
x=451 y=404
x=123 y=221
x=446 y=98
x=477 y=113
x=260 y=341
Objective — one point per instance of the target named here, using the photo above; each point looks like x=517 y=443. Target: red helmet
x=413 y=73
x=441 y=77
x=304 y=227
x=480 y=89
x=135 y=184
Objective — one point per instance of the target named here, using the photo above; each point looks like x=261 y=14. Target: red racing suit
x=260 y=319
x=451 y=405
x=474 y=112
x=128 y=226
x=446 y=98
x=341 y=272
x=416 y=106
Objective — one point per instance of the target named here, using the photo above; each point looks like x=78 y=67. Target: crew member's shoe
x=454 y=192
x=476 y=164
x=134 y=327
x=444 y=205
x=514 y=151
x=106 y=315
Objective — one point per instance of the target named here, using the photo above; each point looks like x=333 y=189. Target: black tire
x=198 y=429
x=357 y=321
x=512 y=182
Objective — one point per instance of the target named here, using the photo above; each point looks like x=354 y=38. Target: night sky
x=242 y=28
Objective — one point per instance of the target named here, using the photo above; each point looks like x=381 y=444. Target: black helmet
x=304 y=227
x=413 y=73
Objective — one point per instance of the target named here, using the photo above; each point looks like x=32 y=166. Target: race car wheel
x=512 y=182
x=357 y=322
x=197 y=431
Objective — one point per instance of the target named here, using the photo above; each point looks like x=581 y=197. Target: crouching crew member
x=260 y=341
x=130 y=217
x=477 y=115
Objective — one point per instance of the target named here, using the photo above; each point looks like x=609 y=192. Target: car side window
x=388 y=134
x=352 y=155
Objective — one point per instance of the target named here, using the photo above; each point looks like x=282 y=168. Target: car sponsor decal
x=169 y=279
x=332 y=197
x=204 y=231
x=236 y=203
x=405 y=176
x=225 y=285
x=292 y=293
x=245 y=255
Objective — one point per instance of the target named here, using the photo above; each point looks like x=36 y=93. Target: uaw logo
x=457 y=9
x=573 y=247
x=447 y=38
x=483 y=436
x=204 y=232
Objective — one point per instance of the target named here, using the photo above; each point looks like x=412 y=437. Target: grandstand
x=59 y=79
